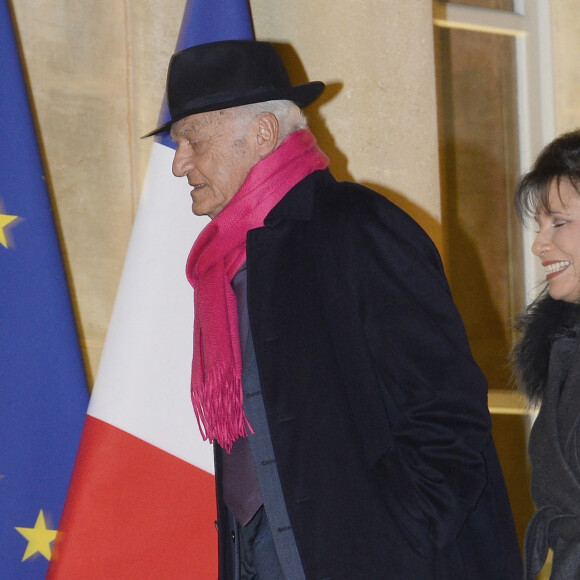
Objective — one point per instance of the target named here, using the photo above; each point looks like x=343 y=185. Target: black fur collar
x=543 y=321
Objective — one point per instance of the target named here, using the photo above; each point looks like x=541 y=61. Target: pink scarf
x=216 y=256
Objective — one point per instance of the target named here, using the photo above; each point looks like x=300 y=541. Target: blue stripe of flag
x=211 y=21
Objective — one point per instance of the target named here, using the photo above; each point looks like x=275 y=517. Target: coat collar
x=298 y=203
x=543 y=322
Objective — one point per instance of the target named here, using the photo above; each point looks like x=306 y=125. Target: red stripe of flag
x=138 y=513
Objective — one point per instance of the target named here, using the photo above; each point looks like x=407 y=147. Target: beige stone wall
x=380 y=123
x=97 y=70
x=566 y=43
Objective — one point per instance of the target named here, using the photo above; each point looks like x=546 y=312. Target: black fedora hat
x=229 y=73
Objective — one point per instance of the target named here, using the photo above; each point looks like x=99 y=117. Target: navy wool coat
x=377 y=411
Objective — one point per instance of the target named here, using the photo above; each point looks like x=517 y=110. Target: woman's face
x=558 y=241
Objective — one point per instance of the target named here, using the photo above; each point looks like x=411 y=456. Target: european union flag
x=43 y=389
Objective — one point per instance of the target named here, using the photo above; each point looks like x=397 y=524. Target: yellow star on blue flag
x=39 y=538
x=5 y=221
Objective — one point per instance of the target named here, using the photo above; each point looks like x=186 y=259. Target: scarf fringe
x=220 y=393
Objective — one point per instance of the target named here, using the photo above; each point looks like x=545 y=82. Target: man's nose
x=182 y=162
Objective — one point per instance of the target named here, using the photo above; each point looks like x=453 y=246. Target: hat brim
x=302 y=95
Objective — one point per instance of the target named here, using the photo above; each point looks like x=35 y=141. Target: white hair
x=290 y=116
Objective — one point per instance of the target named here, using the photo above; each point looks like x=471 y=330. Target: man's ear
x=267 y=135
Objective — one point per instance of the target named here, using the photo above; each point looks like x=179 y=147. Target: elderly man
x=330 y=368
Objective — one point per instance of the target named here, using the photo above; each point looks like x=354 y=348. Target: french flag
x=141 y=503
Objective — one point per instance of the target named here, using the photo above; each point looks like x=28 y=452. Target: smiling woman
x=546 y=357
x=558 y=241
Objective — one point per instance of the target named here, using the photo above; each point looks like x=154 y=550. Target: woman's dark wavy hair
x=559 y=160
